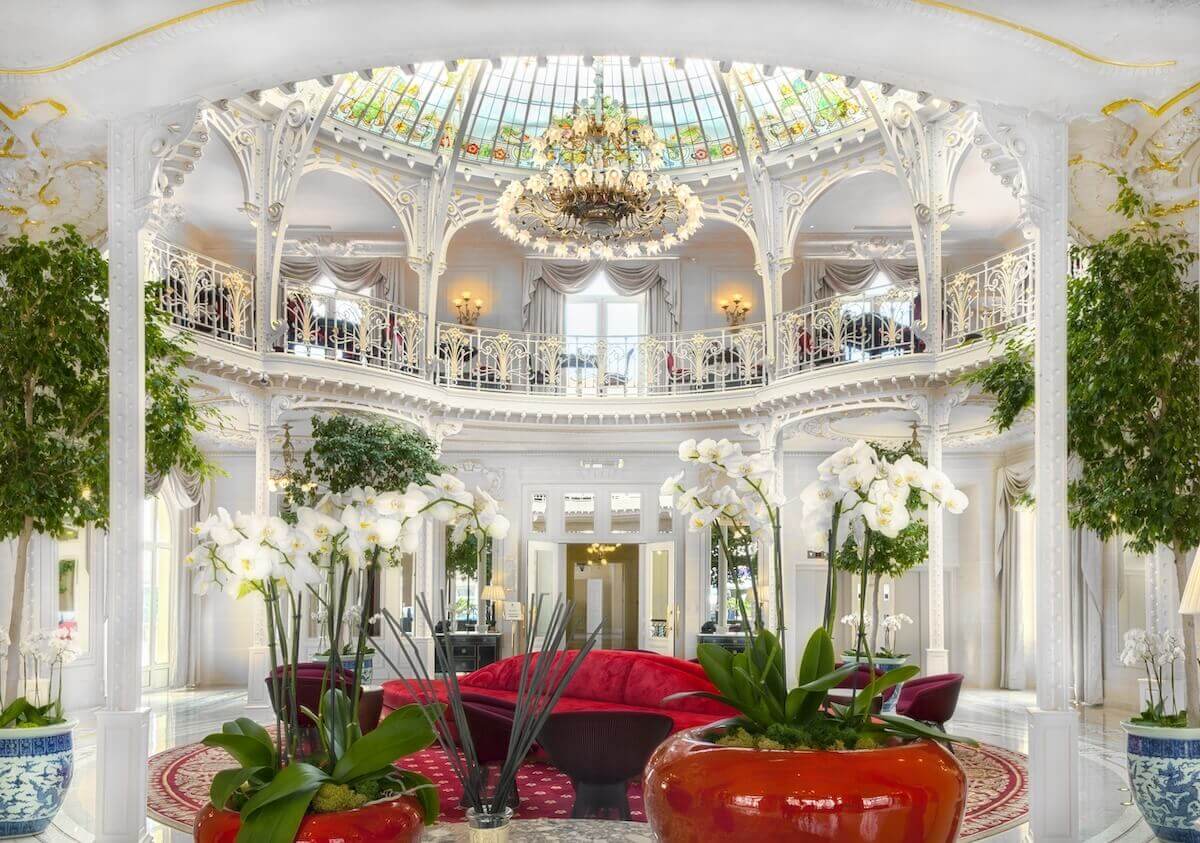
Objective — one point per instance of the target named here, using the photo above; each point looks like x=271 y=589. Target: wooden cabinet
x=468 y=650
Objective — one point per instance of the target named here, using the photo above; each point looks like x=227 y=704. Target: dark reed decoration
x=541 y=685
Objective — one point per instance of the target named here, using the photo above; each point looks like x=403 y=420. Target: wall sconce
x=468 y=309
x=735 y=308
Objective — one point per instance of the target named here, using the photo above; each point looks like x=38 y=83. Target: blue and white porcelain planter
x=35 y=771
x=1164 y=775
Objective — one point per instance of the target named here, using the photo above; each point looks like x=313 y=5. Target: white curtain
x=1012 y=483
x=841 y=277
x=545 y=282
x=188 y=500
x=1087 y=596
x=383 y=275
x=811 y=272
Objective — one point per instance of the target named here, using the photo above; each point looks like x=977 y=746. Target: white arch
x=403 y=202
x=796 y=203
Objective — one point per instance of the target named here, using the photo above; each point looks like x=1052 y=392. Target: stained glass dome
x=422 y=105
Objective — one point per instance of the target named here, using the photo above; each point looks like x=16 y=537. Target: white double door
x=657 y=608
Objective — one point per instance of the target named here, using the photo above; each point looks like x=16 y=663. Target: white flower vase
x=36 y=765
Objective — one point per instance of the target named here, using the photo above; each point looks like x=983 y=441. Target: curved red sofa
x=608 y=680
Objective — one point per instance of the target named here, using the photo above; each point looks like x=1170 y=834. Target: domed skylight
x=519 y=97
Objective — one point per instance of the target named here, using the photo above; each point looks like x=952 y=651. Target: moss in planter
x=821 y=734
x=332 y=798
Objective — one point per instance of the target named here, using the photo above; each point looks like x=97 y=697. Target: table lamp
x=493 y=594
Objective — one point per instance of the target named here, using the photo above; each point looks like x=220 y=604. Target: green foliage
x=348 y=452
x=54 y=387
x=775 y=716
x=23 y=714
x=354 y=769
x=1009 y=380
x=1133 y=341
x=462 y=558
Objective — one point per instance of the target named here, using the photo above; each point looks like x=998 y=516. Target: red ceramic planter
x=396 y=821
x=698 y=791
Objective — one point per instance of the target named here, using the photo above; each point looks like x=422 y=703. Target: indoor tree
x=1133 y=344
x=347 y=451
x=54 y=398
x=1133 y=388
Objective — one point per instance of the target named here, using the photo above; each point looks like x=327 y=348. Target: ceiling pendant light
x=598 y=190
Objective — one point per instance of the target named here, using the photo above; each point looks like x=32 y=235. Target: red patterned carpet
x=180 y=777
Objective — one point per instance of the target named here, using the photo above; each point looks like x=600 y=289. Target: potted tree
x=1133 y=342
x=349 y=452
x=343 y=785
x=1133 y=339
x=865 y=776
x=54 y=444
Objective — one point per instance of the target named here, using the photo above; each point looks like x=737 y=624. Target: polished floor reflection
x=998 y=717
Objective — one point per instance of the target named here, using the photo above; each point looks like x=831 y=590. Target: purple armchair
x=309 y=682
x=931 y=699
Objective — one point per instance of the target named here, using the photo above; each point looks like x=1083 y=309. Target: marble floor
x=998 y=717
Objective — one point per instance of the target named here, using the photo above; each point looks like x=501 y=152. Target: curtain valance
x=545 y=282
x=383 y=275
x=823 y=278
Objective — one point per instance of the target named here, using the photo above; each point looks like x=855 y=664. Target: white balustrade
x=697 y=361
x=990 y=298
x=203 y=295
x=332 y=324
x=216 y=299
x=846 y=329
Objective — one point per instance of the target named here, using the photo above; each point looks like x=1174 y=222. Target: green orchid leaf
x=245 y=750
x=14 y=711
x=336 y=715
x=705 y=695
x=423 y=790
x=831 y=679
x=863 y=697
x=718 y=666
x=293 y=780
x=226 y=782
x=901 y=725
x=246 y=726
x=818 y=656
x=277 y=821
x=401 y=733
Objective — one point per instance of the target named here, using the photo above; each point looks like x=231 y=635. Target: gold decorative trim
x=133 y=36
x=1049 y=39
x=1177 y=208
x=1116 y=105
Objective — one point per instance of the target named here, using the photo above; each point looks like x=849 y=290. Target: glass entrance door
x=658 y=598
x=544 y=579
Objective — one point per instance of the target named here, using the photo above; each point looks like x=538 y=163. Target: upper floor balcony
x=215 y=303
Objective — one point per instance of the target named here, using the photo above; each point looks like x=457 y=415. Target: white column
x=1054 y=725
x=123 y=724
x=937 y=657
x=258 y=655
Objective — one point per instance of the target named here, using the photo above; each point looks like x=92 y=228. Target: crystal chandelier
x=599 y=192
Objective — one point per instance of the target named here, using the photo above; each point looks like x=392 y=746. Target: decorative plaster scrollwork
x=493 y=476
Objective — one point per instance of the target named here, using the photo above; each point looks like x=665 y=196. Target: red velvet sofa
x=612 y=680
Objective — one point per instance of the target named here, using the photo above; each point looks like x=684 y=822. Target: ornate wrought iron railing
x=216 y=299
x=846 y=329
x=207 y=296
x=489 y=359
x=331 y=324
x=989 y=298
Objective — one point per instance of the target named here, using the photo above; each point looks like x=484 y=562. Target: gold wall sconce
x=468 y=309
x=735 y=308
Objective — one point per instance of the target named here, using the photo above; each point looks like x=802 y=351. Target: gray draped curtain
x=825 y=278
x=188 y=500
x=1087 y=601
x=1012 y=483
x=545 y=282
x=382 y=276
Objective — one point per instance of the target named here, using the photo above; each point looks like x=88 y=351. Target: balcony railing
x=846 y=329
x=336 y=325
x=203 y=295
x=990 y=297
x=490 y=359
x=216 y=299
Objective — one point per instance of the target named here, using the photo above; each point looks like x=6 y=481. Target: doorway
x=602 y=579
